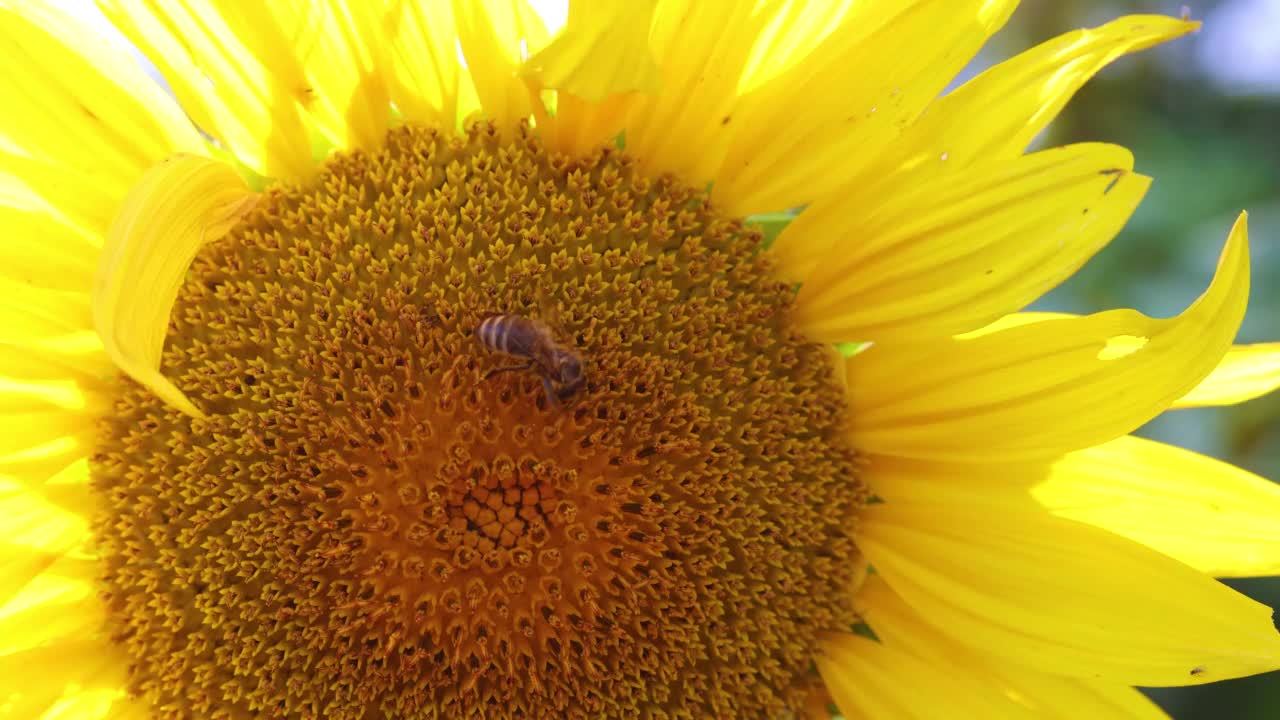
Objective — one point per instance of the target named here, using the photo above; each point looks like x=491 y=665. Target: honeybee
x=519 y=336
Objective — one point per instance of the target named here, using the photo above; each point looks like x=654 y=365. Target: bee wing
x=551 y=316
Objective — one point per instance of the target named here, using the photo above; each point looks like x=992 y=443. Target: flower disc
x=370 y=524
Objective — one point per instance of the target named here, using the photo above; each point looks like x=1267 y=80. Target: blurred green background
x=1202 y=116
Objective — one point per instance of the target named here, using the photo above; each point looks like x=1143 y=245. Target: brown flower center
x=371 y=525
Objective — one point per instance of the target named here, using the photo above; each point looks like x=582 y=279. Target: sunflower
x=257 y=461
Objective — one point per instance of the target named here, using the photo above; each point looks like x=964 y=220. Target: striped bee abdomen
x=510 y=334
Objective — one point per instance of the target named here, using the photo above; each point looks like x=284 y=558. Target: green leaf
x=771 y=224
x=848 y=349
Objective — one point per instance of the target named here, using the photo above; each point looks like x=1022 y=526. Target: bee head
x=569 y=369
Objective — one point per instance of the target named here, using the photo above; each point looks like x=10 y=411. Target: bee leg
x=508 y=368
x=552 y=396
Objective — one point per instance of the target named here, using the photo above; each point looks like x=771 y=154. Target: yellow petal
x=1034 y=694
x=37 y=465
x=41 y=252
x=956 y=254
x=69 y=491
x=30 y=378
x=1244 y=373
x=81 y=678
x=578 y=127
x=1015 y=320
x=49 y=601
x=43 y=556
x=496 y=36
x=1145 y=491
x=326 y=54
x=794 y=33
x=177 y=207
x=26 y=210
x=1063 y=597
x=19 y=565
x=99 y=703
x=123 y=706
x=788 y=130
x=1211 y=515
x=1070 y=698
x=1043 y=389
x=78 y=352
x=31 y=314
x=1247 y=372
x=36 y=542
x=702 y=49
x=594 y=69
x=49 y=405
x=868 y=679
x=31 y=520
x=1007 y=106
x=44 y=285
x=428 y=83
x=207 y=57
x=70 y=392
x=64 y=609
x=76 y=198
x=347 y=64
x=85 y=104
x=603 y=50
x=25 y=434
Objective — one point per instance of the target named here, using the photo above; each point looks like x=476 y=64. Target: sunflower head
x=368 y=512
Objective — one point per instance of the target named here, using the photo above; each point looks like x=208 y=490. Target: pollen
x=371 y=524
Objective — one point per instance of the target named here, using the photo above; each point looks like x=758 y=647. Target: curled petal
x=1042 y=389
x=178 y=206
